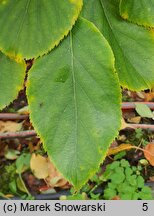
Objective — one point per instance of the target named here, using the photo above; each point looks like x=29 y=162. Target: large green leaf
x=11 y=79
x=133 y=45
x=138 y=11
x=30 y=28
x=74 y=99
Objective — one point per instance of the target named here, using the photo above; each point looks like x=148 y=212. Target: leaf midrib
x=73 y=79
x=74 y=99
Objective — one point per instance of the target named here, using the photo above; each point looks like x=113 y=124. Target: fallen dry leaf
x=39 y=166
x=11 y=154
x=149 y=153
x=136 y=96
x=24 y=110
x=8 y=196
x=42 y=168
x=149 y=96
x=10 y=126
x=151 y=178
x=55 y=179
x=135 y=120
x=141 y=95
x=122 y=147
x=33 y=147
x=3 y=148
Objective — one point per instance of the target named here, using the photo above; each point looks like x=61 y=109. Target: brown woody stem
x=20 y=134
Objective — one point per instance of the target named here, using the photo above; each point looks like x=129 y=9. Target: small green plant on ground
x=12 y=175
x=122 y=180
x=8 y=174
x=125 y=182
x=119 y=180
x=82 y=52
x=138 y=137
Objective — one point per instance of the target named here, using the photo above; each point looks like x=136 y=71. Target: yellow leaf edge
x=127 y=18
x=19 y=87
x=115 y=75
x=19 y=56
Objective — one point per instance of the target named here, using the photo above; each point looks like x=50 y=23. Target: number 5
x=145 y=207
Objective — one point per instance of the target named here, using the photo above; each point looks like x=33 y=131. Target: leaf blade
x=78 y=132
x=11 y=79
x=38 y=26
x=133 y=45
x=139 y=12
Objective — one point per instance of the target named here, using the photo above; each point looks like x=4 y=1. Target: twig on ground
x=131 y=105
x=12 y=116
x=19 y=134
